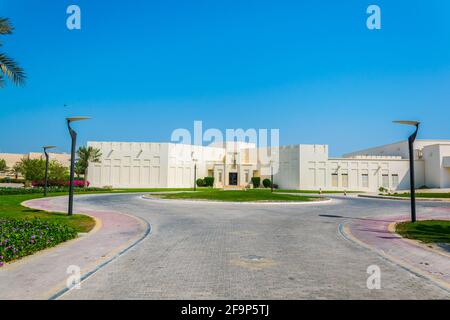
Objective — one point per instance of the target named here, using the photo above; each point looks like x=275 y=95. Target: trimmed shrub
x=382 y=189
x=51 y=183
x=209 y=181
x=14 y=191
x=200 y=182
x=19 y=238
x=11 y=180
x=267 y=183
x=256 y=181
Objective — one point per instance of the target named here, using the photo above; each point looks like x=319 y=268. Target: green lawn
x=423 y=195
x=312 y=191
x=429 y=231
x=10 y=208
x=237 y=195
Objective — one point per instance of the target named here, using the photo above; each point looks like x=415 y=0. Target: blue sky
x=144 y=68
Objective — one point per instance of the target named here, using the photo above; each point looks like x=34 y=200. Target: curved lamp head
x=72 y=119
x=408 y=122
x=49 y=147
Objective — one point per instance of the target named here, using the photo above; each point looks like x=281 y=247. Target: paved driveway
x=251 y=251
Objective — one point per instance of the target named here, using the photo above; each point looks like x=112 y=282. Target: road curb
x=185 y=201
x=345 y=232
x=98 y=264
x=88 y=274
x=402 y=198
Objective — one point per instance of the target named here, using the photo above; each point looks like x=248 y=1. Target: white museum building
x=305 y=167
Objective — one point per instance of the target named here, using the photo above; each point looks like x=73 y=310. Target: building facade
x=233 y=164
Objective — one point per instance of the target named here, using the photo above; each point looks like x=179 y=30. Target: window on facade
x=365 y=180
x=394 y=181
x=334 y=180
x=220 y=176
x=385 y=180
x=246 y=176
x=345 y=180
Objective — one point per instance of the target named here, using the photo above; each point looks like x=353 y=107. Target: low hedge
x=209 y=181
x=11 y=180
x=256 y=181
x=267 y=183
x=14 y=191
x=19 y=238
x=200 y=182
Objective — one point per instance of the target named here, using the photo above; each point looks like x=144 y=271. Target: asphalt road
x=251 y=251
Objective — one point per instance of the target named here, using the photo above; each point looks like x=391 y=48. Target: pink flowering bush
x=78 y=183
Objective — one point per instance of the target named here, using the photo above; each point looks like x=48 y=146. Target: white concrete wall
x=396 y=149
x=150 y=165
x=288 y=175
x=437 y=175
x=162 y=165
x=129 y=165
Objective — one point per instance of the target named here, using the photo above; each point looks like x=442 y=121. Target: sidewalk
x=378 y=235
x=44 y=274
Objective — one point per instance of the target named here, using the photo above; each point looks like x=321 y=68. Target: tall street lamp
x=73 y=135
x=46 y=168
x=411 y=140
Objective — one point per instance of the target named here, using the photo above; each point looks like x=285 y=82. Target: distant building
x=162 y=165
x=12 y=158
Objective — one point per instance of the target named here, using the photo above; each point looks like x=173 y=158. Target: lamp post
x=46 y=168
x=73 y=136
x=411 y=140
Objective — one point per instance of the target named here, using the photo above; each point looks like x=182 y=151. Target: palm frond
x=12 y=70
x=5 y=26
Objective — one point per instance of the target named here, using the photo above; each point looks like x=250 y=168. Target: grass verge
x=11 y=208
x=428 y=231
x=313 y=191
x=238 y=196
x=423 y=195
x=24 y=231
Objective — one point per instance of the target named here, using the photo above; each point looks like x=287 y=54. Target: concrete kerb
x=99 y=264
x=345 y=232
x=199 y=201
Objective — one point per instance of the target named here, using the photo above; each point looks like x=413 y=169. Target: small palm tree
x=86 y=155
x=8 y=67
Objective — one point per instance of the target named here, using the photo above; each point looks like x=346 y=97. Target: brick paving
x=222 y=251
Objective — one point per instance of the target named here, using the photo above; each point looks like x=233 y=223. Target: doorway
x=233 y=178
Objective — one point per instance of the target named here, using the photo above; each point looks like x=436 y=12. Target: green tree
x=16 y=170
x=56 y=171
x=79 y=169
x=86 y=155
x=8 y=67
x=3 y=166
x=32 y=169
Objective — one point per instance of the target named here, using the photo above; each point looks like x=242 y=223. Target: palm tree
x=8 y=67
x=86 y=155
